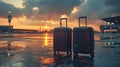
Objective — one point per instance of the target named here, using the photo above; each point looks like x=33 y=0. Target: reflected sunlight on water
x=97 y=37
x=46 y=39
x=47 y=61
x=12 y=45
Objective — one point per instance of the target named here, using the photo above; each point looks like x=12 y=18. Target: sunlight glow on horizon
x=24 y=23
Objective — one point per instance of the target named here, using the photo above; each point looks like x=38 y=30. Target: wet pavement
x=36 y=50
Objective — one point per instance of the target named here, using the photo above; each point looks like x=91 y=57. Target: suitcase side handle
x=83 y=17
x=61 y=21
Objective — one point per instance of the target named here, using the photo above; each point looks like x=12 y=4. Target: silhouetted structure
x=9 y=20
x=4 y=29
x=24 y=31
x=115 y=20
x=113 y=24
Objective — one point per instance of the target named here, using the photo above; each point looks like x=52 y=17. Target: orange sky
x=23 y=22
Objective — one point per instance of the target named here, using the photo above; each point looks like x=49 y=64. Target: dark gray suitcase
x=62 y=38
x=83 y=39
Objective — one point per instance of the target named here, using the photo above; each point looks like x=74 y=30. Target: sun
x=46 y=27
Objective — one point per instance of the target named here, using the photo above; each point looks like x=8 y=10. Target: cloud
x=54 y=9
x=46 y=9
x=90 y=8
x=37 y=11
x=114 y=6
x=50 y=9
x=112 y=3
x=99 y=8
x=6 y=7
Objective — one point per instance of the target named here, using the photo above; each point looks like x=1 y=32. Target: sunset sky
x=33 y=14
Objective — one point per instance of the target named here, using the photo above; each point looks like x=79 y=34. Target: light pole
x=9 y=20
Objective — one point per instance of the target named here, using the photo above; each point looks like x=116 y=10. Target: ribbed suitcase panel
x=62 y=39
x=83 y=40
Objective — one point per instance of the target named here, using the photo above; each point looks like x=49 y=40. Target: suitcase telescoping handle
x=61 y=19
x=83 y=17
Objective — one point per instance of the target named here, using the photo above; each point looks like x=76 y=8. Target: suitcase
x=62 y=38
x=83 y=39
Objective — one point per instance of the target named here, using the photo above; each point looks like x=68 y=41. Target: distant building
x=4 y=29
x=112 y=24
x=24 y=31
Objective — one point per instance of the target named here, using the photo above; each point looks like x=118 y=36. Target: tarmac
x=36 y=50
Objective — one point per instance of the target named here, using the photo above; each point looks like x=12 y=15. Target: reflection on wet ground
x=83 y=61
x=62 y=60
x=35 y=50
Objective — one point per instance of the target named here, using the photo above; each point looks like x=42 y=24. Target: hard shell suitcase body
x=62 y=38
x=83 y=39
